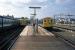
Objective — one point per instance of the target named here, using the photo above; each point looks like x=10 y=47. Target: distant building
x=62 y=20
x=66 y=21
x=72 y=21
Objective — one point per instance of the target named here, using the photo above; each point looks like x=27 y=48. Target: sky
x=20 y=8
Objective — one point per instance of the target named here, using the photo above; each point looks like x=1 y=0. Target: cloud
x=42 y=0
x=20 y=7
x=23 y=3
x=4 y=10
x=62 y=1
x=19 y=1
x=15 y=3
x=2 y=1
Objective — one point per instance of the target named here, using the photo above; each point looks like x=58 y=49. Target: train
x=47 y=23
x=10 y=29
x=24 y=21
x=7 y=23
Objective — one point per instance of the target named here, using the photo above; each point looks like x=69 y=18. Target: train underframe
x=48 y=28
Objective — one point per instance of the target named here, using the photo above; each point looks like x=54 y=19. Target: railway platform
x=43 y=40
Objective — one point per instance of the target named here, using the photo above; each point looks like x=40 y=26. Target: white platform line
x=40 y=31
x=24 y=32
x=30 y=31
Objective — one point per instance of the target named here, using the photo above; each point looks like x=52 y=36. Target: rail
x=9 y=38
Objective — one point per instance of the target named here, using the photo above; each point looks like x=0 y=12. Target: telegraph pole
x=35 y=28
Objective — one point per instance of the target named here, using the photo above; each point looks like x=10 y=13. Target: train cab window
x=51 y=21
x=44 y=20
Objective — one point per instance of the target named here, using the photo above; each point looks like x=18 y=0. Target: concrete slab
x=27 y=41
x=26 y=31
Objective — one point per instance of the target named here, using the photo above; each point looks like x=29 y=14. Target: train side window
x=0 y=21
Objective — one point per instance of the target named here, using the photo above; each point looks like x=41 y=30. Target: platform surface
x=43 y=40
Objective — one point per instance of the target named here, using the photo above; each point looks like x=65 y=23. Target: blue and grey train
x=7 y=23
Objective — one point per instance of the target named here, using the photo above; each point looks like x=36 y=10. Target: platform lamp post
x=35 y=29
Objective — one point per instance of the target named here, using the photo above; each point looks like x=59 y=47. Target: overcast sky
x=20 y=8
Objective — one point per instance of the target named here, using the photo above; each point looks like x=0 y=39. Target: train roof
x=9 y=17
x=47 y=18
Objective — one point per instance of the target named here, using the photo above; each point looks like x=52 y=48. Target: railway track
x=66 y=36
x=70 y=28
x=7 y=40
x=64 y=29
